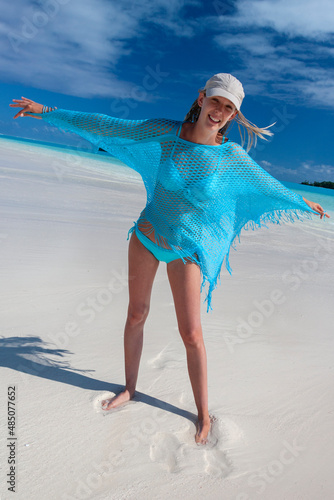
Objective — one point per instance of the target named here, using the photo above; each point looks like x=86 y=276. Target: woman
x=201 y=191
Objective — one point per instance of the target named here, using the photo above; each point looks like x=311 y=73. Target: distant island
x=324 y=184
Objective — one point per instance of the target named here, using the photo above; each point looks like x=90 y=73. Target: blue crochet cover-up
x=199 y=197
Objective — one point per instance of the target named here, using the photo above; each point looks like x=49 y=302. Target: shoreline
x=104 y=156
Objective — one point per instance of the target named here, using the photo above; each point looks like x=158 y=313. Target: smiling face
x=216 y=111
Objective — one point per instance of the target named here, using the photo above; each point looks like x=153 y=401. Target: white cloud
x=265 y=163
x=320 y=91
x=74 y=47
x=305 y=18
x=77 y=48
x=256 y=44
x=285 y=48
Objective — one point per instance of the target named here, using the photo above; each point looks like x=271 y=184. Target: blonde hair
x=247 y=130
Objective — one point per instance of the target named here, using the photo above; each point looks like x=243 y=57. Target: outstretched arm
x=115 y=135
x=280 y=197
x=317 y=208
x=95 y=127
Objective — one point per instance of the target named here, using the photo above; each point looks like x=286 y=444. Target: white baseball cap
x=225 y=85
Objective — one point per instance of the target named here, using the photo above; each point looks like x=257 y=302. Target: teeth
x=214 y=119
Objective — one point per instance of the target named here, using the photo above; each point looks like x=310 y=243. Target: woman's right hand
x=28 y=106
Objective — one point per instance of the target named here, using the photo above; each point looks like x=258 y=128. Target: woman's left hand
x=317 y=208
x=29 y=107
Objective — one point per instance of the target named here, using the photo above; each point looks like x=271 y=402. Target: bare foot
x=118 y=400
x=203 y=429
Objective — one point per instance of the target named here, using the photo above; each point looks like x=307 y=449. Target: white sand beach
x=269 y=340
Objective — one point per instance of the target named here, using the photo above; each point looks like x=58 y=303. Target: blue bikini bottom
x=162 y=254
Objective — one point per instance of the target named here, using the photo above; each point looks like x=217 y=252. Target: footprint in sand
x=167 y=358
x=178 y=453
x=229 y=431
x=164 y=450
x=217 y=463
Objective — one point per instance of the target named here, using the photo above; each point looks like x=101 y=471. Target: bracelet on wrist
x=47 y=109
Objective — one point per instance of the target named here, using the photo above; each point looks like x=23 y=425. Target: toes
x=105 y=404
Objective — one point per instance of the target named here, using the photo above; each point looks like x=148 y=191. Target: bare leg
x=142 y=270
x=185 y=282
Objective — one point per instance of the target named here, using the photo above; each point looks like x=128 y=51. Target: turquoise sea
x=321 y=195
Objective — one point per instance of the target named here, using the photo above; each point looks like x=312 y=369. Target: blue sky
x=142 y=59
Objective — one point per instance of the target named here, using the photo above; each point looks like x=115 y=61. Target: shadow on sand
x=33 y=356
